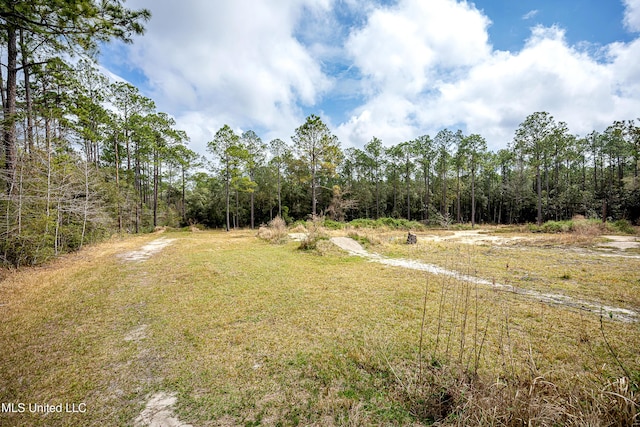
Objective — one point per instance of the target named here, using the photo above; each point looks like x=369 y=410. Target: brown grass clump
x=315 y=233
x=275 y=231
x=451 y=396
x=299 y=228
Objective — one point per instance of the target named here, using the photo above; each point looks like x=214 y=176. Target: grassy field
x=248 y=333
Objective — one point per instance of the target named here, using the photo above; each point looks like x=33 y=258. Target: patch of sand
x=621 y=242
x=147 y=251
x=137 y=334
x=472 y=237
x=159 y=413
x=354 y=248
x=349 y=245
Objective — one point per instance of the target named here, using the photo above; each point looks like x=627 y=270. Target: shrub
x=363 y=223
x=315 y=233
x=274 y=232
x=624 y=226
x=392 y=223
x=557 y=227
x=333 y=225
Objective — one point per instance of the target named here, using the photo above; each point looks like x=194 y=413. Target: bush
x=553 y=227
x=392 y=223
x=315 y=233
x=624 y=226
x=557 y=227
x=587 y=227
x=274 y=232
x=333 y=225
x=363 y=223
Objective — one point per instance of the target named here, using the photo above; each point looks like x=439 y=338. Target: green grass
x=249 y=333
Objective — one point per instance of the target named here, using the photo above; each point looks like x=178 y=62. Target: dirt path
x=355 y=248
x=147 y=251
x=158 y=411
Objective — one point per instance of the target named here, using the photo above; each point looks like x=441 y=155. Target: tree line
x=83 y=157
x=545 y=173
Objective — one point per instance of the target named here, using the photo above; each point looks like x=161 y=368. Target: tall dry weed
x=462 y=379
x=274 y=232
x=315 y=233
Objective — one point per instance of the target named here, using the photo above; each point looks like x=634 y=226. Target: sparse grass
x=558 y=263
x=367 y=238
x=248 y=333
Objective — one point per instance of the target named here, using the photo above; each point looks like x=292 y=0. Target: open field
x=222 y=329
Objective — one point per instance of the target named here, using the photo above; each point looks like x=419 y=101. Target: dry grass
x=274 y=232
x=248 y=333
x=558 y=263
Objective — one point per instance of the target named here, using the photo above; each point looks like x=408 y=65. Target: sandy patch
x=159 y=413
x=147 y=251
x=349 y=245
x=472 y=237
x=137 y=334
x=621 y=242
x=354 y=248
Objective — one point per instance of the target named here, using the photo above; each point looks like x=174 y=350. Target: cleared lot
x=225 y=329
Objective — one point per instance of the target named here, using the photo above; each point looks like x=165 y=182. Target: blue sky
x=391 y=69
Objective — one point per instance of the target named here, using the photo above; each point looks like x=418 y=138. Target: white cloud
x=530 y=14
x=402 y=45
x=235 y=61
x=404 y=51
x=487 y=92
x=414 y=68
x=632 y=15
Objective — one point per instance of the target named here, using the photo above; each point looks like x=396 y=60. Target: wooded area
x=83 y=157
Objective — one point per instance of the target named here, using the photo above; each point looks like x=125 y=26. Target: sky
x=394 y=69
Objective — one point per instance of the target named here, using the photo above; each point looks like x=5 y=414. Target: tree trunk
x=408 y=194
x=9 y=125
x=377 y=196
x=86 y=202
x=227 y=160
x=473 y=198
x=425 y=216
x=156 y=173
x=279 y=194
x=27 y=94
x=458 y=214
x=539 y=192
x=313 y=188
x=117 y=161
x=236 y=221
x=252 y=207
x=184 y=211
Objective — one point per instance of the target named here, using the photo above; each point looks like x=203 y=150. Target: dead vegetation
x=274 y=232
